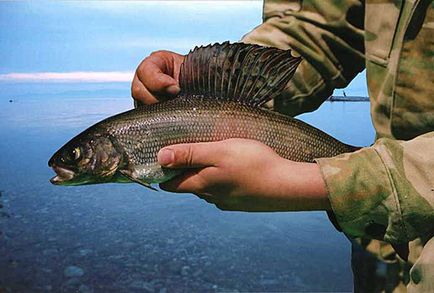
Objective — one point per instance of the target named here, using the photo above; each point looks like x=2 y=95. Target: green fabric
x=385 y=191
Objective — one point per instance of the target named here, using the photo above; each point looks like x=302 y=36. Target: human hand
x=244 y=175
x=157 y=77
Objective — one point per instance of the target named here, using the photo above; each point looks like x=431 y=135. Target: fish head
x=86 y=159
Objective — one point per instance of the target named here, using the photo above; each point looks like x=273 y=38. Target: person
x=380 y=195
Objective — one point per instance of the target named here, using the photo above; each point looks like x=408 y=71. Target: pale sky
x=70 y=36
x=103 y=41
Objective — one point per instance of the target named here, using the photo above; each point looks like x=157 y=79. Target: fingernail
x=173 y=89
x=166 y=157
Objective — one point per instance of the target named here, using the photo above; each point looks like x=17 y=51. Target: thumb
x=164 y=84
x=197 y=155
x=161 y=83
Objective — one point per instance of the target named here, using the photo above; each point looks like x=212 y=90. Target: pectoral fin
x=130 y=176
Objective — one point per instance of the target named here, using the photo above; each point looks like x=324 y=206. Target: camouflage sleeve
x=422 y=272
x=327 y=34
x=385 y=191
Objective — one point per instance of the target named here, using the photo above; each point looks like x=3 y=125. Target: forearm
x=329 y=36
x=281 y=185
x=298 y=187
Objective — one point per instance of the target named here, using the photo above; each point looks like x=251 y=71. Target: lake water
x=125 y=238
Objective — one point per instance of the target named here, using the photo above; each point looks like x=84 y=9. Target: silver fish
x=222 y=89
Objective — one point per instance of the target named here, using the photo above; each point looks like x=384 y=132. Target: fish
x=223 y=91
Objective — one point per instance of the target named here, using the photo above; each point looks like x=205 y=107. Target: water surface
x=125 y=238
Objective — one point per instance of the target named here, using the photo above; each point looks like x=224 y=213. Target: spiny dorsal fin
x=250 y=74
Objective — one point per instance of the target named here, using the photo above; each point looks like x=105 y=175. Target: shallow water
x=125 y=238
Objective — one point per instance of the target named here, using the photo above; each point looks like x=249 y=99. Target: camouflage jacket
x=385 y=191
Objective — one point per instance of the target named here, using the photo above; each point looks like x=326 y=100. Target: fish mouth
x=63 y=175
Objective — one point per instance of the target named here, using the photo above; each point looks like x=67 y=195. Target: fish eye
x=76 y=153
x=71 y=155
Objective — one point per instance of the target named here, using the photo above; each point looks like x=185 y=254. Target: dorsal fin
x=250 y=74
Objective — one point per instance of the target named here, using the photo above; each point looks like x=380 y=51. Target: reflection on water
x=125 y=238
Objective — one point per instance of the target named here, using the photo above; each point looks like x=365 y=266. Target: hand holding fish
x=157 y=77
x=244 y=175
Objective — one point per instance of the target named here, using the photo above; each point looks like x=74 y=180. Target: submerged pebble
x=73 y=271
x=50 y=251
x=73 y=282
x=140 y=284
x=197 y=273
x=185 y=270
x=84 y=252
x=268 y=282
x=85 y=289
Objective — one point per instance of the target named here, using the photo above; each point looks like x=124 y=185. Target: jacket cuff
x=362 y=195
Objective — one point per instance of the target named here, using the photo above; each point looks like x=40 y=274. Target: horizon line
x=73 y=76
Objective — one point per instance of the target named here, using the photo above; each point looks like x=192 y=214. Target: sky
x=49 y=47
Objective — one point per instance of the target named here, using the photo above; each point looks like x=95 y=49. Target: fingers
x=153 y=72
x=141 y=93
x=187 y=182
x=193 y=181
x=199 y=158
x=156 y=77
x=197 y=155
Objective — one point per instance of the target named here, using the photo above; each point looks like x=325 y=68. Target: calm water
x=125 y=238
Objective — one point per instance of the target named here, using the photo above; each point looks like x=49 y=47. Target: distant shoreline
x=348 y=99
